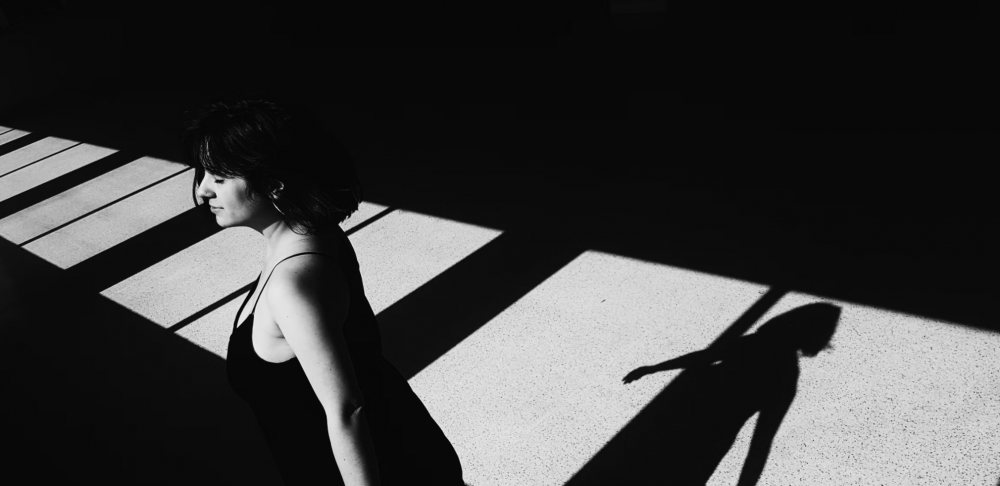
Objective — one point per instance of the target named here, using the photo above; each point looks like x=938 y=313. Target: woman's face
x=228 y=201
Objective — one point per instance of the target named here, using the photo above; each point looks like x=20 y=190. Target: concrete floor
x=523 y=255
x=527 y=385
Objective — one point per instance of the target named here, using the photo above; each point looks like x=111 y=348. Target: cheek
x=248 y=207
x=236 y=199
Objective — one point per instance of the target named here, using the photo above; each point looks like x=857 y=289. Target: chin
x=223 y=222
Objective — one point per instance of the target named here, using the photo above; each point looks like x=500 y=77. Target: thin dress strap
x=236 y=320
x=272 y=271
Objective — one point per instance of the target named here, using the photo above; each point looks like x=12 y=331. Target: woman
x=306 y=356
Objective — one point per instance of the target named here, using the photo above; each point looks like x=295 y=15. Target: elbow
x=347 y=413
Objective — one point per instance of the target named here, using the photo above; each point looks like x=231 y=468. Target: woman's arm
x=309 y=300
x=353 y=448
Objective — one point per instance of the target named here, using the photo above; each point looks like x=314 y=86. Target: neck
x=280 y=236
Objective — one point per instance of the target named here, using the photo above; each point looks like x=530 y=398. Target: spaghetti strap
x=254 y=309
x=236 y=321
x=410 y=447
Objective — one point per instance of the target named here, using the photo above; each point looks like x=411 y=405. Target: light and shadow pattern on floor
x=533 y=395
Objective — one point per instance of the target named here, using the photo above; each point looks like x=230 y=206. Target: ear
x=277 y=192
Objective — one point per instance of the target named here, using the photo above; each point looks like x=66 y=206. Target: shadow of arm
x=720 y=346
x=763 y=436
x=703 y=357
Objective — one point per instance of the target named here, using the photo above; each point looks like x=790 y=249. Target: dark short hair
x=269 y=144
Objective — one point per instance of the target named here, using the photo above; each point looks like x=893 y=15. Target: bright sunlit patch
x=533 y=394
x=403 y=248
x=114 y=224
x=211 y=331
x=194 y=278
x=365 y=212
x=84 y=198
x=32 y=174
x=200 y=275
x=32 y=153
x=7 y=135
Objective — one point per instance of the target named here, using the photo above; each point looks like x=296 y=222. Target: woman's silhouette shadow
x=683 y=434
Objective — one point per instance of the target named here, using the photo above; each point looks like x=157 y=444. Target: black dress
x=410 y=447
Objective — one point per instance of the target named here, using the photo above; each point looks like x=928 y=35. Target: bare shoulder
x=312 y=261
x=309 y=286
x=306 y=273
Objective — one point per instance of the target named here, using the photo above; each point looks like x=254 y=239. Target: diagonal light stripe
x=99 y=231
x=80 y=200
x=59 y=164
x=397 y=254
x=211 y=331
x=404 y=250
x=531 y=395
x=199 y=275
x=11 y=135
x=193 y=278
x=365 y=212
x=32 y=153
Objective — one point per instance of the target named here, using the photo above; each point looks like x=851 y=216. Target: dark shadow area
x=892 y=221
x=96 y=394
x=19 y=13
x=683 y=434
x=834 y=192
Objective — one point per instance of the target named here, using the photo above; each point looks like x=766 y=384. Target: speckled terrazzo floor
x=532 y=395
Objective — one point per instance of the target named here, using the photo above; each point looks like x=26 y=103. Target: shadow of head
x=808 y=329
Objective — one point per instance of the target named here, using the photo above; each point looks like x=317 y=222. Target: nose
x=203 y=191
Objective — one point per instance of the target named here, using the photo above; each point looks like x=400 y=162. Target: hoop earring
x=276 y=208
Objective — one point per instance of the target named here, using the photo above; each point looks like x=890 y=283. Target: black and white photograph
x=524 y=243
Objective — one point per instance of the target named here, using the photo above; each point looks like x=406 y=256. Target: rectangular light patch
x=397 y=254
x=52 y=167
x=403 y=250
x=32 y=153
x=114 y=224
x=533 y=394
x=84 y=198
x=200 y=276
x=10 y=136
